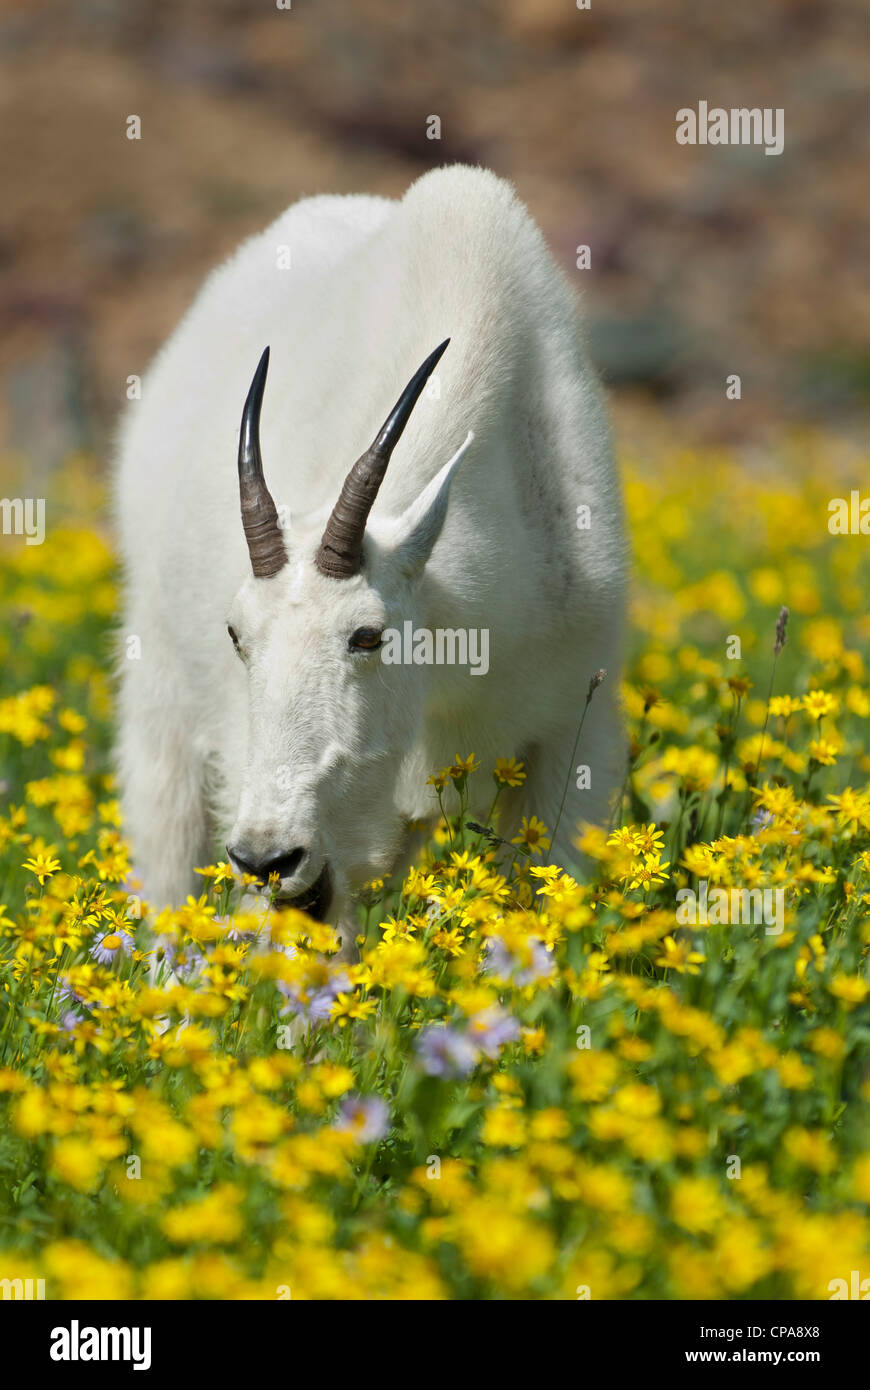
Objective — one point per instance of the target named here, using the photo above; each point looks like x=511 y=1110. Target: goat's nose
x=284 y=865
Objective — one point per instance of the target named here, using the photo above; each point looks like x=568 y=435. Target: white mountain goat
x=294 y=740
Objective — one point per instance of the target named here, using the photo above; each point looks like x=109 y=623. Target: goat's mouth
x=314 y=900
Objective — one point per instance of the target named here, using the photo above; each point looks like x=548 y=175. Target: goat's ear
x=419 y=526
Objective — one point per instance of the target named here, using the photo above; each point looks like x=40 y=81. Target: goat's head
x=330 y=725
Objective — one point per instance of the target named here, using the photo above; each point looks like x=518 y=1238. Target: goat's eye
x=366 y=639
x=233 y=637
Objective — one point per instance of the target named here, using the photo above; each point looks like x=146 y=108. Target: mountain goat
x=294 y=740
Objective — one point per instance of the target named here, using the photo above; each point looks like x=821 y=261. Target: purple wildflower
x=67 y=992
x=111 y=947
x=234 y=932
x=187 y=962
x=508 y=966
x=491 y=1029
x=366 y=1117
x=318 y=1006
x=445 y=1052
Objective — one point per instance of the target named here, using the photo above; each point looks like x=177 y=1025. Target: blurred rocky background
x=705 y=261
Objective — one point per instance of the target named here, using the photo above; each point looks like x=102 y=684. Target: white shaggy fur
x=313 y=746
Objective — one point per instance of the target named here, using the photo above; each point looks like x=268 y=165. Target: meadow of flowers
x=535 y=1083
